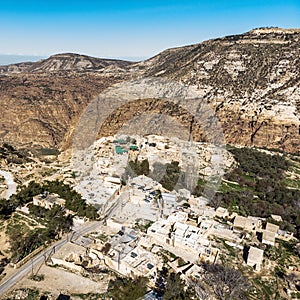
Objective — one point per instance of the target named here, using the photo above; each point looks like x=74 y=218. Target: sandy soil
x=58 y=280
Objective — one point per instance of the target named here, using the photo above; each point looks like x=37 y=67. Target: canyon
x=251 y=81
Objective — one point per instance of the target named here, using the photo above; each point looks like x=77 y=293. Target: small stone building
x=255 y=258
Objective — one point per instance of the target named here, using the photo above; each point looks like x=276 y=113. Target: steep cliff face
x=42 y=101
x=154 y=119
x=41 y=110
x=251 y=80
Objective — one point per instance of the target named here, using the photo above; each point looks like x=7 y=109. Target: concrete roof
x=67 y=249
x=224 y=233
x=254 y=219
x=221 y=211
x=239 y=221
x=277 y=218
x=250 y=223
x=168 y=197
x=50 y=198
x=83 y=241
x=268 y=236
x=179 y=216
x=272 y=227
x=255 y=255
x=206 y=224
x=181 y=226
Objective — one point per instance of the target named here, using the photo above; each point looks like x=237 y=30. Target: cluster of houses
x=188 y=233
x=123 y=252
x=180 y=231
x=132 y=253
x=191 y=238
x=48 y=200
x=265 y=232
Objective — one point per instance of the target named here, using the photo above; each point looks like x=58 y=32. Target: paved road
x=11 y=185
x=27 y=267
x=78 y=231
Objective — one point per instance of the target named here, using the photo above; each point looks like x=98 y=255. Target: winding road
x=11 y=184
x=39 y=258
x=27 y=267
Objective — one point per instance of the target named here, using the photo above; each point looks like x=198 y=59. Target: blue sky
x=131 y=28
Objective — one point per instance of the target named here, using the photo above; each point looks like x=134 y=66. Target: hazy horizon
x=7 y=59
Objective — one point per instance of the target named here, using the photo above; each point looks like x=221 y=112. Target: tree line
x=74 y=201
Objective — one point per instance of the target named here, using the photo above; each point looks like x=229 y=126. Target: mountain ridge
x=64 y=62
x=251 y=81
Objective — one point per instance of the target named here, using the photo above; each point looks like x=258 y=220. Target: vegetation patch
x=24 y=235
x=127 y=289
x=24 y=294
x=46 y=151
x=171 y=176
x=258 y=187
x=13 y=155
x=89 y=296
x=137 y=168
x=170 y=286
x=73 y=199
x=37 y=277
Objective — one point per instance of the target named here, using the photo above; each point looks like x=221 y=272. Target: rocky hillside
x=251 y=80
x=41 y=101
x=64 y=62
x=39 y=110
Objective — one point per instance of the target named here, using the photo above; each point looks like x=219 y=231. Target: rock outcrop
x=64 y=62
x=38 y=111
x=252 y=81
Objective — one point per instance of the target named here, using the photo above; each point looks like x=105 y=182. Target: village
x=145 y=227
x=132 y=248
x=180 y=237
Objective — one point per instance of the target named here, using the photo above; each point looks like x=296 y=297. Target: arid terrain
x=177 y=177
x=250 y=80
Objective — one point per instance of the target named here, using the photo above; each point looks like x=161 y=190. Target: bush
x=73 y=199
x=260 y=164
x=137 y=168
x=6 y=209
x=127 y=289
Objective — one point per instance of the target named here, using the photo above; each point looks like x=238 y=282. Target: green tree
x=172 y=287
x=127 y=289
x=58 y=222
x=136 y=168
x=6 y=208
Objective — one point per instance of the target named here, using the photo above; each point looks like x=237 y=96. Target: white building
x=47 y=200
x=222 y=212
x=169 y=199
x=255 y=258
x=268 y=237
x=186 y=241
